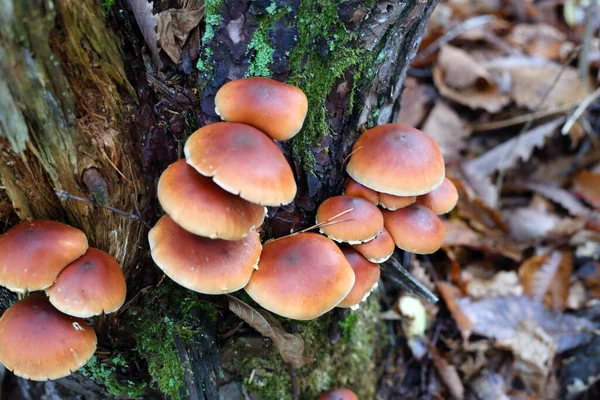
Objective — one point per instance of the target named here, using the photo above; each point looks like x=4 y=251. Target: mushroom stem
x=20 y=295
x=100 y=323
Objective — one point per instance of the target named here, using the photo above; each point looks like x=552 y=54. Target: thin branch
x=591 y=12
x=579 y=111
x=520 y=119
x=135 y=217
x=328 y=222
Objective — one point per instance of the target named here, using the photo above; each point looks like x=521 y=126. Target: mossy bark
x=83 y=110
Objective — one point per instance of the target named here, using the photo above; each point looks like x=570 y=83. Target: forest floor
x=498 y=86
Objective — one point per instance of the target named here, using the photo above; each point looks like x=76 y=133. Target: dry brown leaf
x=174 y=26
x=147 y=21
x=489 y=385
x=577 y=296
x=482 y=186
x=414 y=103
x=590 y=273
x=448 y=129
x=516 y=149
x=461 y=78
x=503 y=283
x=538 y=39
x=528 y=223
x=290 y=346
x=587 y=185
x=448 y=373
x=499 y=317
x=534 y=349
x=547 y=278
x=562 y=197
x=450 y=293
x=531 y=78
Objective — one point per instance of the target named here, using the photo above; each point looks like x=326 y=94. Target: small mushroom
x=416 y=229
x=397 y=159
x=91 y=285
x=276 y=108
x=392 y=203
x=301 y=276
x=379 y=249
x=355 y=189
x=201 y=207
x=441 y=200
x=243 y=161
x=209 y=266
x=39 y=342
x=360 y=225
x=33 y=253
x=338 y=394
x=366 y=277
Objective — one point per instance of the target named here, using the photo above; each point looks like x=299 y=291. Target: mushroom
x=397 y=159
x=355 y=189
x=204 y=265
x=201 y=207
x=338 y=394
x=276 y=108
x=366 y=277
x=416 y=229
x=91 y=285
x=39 y=342
x=441 y=200
x=243 y=161
x=24 y=246
x=391 y=202
x=301 y=276
x=379 y=249
x=359 y=225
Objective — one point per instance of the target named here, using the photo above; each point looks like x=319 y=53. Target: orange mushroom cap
x=391 y=202
x=397 y=159
x=39 y=342
x=415 y=229
x=366 y=277
x=91 y=285
x=201 y=207
x=204 y=265
x=301 y=276
x=363 y=223
x=379 y=249
x=243 y=161
x=441 y=200
x=355 y=189
x=276 y=108
x=23 y=247
x=338 y=394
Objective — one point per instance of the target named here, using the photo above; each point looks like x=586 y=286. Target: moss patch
x=105 y=373
x=212 y=19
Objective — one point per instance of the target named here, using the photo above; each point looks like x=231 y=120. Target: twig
x=135 y=217
x=488 y=126
x=591 y=12
x=294 y=380
x=328 y=222
x=579 y=111
x=525 y=128
x=457 y=30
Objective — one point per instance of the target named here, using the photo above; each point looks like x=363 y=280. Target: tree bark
x=84 y=110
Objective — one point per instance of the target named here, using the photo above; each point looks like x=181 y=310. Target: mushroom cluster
x=44 y=336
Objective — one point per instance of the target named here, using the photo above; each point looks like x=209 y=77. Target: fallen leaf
x=450 y=294
x=413 y=106
x=538 y=39
x=448 y=129
x=461 y=78
x=562 y=197
x=499 y=317
x=528 y=223
x=516 y=149
x=546 y=278
x=448 y=373
x=577 y=296
x=489 y=385
x=290 y=346
x=587 y=185
x=534 y=349
x=590 y=273
x=147 y=21
x=483 y=187
x=174 y=26
x=503 y=283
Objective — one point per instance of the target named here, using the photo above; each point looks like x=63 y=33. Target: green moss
x=105 y=374
x=212 y=19
x=268 y=378
x=261 y=55
x=107 y=4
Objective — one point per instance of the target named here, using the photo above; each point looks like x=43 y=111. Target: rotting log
x=83 y=110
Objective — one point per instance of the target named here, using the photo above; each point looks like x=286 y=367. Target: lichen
x=105 y=374
x=212 y=19
x=261 y=55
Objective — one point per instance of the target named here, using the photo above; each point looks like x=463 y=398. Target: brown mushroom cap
x=276 y=108
x=243 y=161
x=391 y=202
x=23 y=247
x=441 y=200
x=379 y=249
x=364 y=221
x=355 y=189
x=204 y=265
x=415 y=229
x=366 y=277
x=397 y=159
x=201 y=207
x=338 y=394
x=91 y=285
x=301 y=276
x=39 y=342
